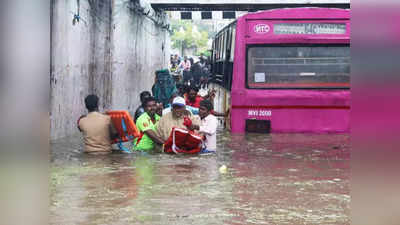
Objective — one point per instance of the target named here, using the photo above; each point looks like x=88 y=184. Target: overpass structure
x=242 y=5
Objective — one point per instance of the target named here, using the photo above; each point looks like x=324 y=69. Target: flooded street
x=271 y=179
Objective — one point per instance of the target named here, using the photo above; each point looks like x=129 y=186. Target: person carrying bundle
x=97 y=129
x=174 y=118
x=173 y=130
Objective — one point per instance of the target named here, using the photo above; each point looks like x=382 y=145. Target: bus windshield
x=300 y=66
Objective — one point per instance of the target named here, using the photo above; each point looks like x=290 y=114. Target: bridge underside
x=238 y=7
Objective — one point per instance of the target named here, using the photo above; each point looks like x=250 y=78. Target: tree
x=186 y=35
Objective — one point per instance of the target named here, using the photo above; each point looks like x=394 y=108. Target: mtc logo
x=261 y=28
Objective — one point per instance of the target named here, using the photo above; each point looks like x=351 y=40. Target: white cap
x=178 y=101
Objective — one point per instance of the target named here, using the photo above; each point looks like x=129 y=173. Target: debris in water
x=223 y=169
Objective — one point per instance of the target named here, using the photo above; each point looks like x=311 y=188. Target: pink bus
x=285 y=70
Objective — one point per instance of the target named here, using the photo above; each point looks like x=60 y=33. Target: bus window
x=225 y=42
x=217 y=48
x=304 y=66
x=221 y=45
x=233 y=44
x=213 y=50
x=229 y=39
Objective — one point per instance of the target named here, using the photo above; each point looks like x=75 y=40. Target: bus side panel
x=311 y=120
x=293 y=110
x=289 y=110
x=294 y=120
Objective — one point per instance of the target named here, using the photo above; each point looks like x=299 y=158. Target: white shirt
x=208 y=127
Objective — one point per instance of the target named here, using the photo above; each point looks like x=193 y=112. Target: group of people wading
x=167 y=109
x=187 y=71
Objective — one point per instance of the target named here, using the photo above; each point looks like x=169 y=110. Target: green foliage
x=185 y=35
x=206 y=53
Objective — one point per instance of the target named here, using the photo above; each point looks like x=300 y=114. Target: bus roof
x=293 y=13
x=299 y=13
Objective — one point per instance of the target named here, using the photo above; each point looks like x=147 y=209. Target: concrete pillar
x=139 y=48
x=71 y=60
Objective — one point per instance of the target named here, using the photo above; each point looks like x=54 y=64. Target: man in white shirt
x=208 y=127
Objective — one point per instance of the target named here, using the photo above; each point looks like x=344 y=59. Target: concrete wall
x=71 y=60
x=100 y=68
x=113 y=52
x=139 y=49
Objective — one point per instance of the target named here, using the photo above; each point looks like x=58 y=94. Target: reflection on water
x=271 y=179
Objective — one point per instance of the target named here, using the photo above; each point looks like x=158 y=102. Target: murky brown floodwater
x=271 y=179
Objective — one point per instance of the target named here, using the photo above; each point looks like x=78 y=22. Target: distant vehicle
x=285 y=70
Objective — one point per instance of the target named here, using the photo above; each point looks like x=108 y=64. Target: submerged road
x=271 y=179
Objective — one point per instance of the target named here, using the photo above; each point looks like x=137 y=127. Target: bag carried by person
x=164 y=86
x=183 y=141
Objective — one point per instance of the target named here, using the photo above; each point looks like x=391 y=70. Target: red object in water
x=131 y=130
x=183 y=141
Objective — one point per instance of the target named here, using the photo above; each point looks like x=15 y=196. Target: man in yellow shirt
x=175 y=118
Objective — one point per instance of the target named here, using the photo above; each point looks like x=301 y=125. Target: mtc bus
x=285 y=70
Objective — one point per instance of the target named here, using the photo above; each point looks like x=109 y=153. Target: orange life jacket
x=125 y=126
